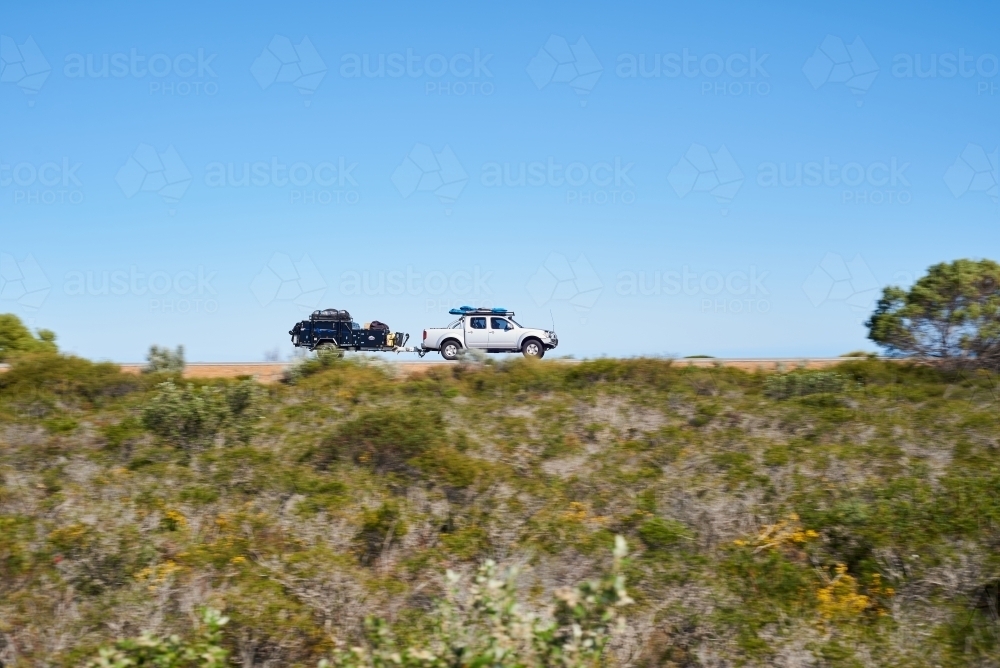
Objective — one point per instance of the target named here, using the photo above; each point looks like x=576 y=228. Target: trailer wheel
x=329 y=349
x=533 y=349
x=450 y=350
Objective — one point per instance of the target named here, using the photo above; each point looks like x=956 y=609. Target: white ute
x=492 y=330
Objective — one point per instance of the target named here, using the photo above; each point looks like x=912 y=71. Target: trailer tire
x=450 y=350
x=327 y=348
x=533 y=349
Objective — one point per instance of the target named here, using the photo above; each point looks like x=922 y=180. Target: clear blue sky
x=658 y=178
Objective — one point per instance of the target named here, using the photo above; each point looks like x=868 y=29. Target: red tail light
x=425 y=335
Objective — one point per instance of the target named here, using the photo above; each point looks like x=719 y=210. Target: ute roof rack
x=481 y=310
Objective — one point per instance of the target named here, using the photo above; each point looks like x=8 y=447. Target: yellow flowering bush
x=786 y=533
x=156 y=576
x=841 y=599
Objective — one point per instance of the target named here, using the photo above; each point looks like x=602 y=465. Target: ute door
x=503 y=333
x=476 y=334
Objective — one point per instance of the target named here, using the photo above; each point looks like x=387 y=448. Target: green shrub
x=380 y=528
x=205 y=651
x=191 y=416
x=324 y=359
x=122 y=433
x=384 y=439
x=483 y=623
x=36 y=375
x=802 y=383
x=450 y=467
x=660 y=534
x=60 y=424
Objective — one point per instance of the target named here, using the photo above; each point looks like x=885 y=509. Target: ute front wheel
x=450 y=350
x=533 y=349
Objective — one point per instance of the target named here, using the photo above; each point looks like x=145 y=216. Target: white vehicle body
x=491 y=332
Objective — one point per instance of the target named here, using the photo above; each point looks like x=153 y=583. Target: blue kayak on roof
x=466 y=310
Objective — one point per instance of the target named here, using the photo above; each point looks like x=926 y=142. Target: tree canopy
x=951 y=315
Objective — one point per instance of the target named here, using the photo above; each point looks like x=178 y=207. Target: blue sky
x=205 y=174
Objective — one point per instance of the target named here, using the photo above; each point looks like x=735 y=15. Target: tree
x=16 y=338
x=951 y=315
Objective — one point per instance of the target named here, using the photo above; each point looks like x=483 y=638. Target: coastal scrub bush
x=67 y=377
x=189 y=416
x=485 y=623
x=800 y=384
x=384 y=439
x=204 y=651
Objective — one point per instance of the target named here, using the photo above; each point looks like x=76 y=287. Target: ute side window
x=501 y=324
x=477 y=323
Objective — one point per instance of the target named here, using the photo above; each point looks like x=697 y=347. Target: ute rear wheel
x=450 y=350
x=533 y=349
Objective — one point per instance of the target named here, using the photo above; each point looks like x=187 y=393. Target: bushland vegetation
x=469 y=515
